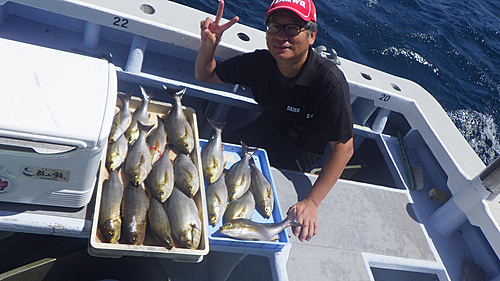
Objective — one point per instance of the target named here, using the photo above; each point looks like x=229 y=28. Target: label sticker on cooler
x=6 y=184
x=40 y=173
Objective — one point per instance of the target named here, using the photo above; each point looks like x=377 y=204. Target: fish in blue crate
x=238 y=177
x=246 y=229
x=216 y=195
x=262 y=191
x=242 y=207
x=212 y=156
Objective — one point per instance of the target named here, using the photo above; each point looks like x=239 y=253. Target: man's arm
x=211 y=33
x=306 y=211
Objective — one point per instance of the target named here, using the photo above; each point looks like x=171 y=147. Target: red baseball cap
x=303 y=8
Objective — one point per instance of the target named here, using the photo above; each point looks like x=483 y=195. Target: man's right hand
x=211 y=31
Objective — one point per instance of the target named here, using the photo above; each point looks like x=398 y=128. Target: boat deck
x=363 y=227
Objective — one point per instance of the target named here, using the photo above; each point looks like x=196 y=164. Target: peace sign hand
x=211 y=32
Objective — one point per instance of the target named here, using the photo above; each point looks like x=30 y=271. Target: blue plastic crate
x=218 y=241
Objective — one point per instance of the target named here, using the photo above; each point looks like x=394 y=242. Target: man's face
x=284 y=47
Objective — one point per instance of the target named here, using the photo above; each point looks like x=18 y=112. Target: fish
x=134 y=212
x=116 y=153
x=157 y=139
x=262 y=191
x=247 y=229
x=141 y=115
x=160 y=181
x=138 y=162
x=238 y=176
x=159 y=224
x=216 y=196
x=185 y=221
x=110 y=221
x=242 y=207
x=186 y=175
x=212 y=156
x=179 y=132
x=123 y=118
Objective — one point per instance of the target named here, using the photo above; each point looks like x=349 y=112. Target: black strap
x=299 y=123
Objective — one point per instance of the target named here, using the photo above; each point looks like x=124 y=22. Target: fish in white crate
x=186 y=175
x=184 y=218
x=140 y=115
x=138 y=161
x=134 y=211
x=262 y=191
x=110 y=220
x=238 y=177
x=123 y=118
x=160 y=181
x=179 y=132
x=216 y=196
x=157 y=139
x=212 y=155
x=116 y=153
x=159 y=224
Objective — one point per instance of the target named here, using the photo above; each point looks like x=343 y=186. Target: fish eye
x=134 y=238
x=111 y=233
x=188 y=244
x=160 y=193
x=229 y=224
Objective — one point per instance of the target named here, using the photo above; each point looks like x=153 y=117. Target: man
x=305 y=99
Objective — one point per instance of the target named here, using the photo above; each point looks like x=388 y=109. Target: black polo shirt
x=318 y=97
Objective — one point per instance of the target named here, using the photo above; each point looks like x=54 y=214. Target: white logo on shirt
x=293 y=109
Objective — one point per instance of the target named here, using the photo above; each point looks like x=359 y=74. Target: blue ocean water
x=450 y=47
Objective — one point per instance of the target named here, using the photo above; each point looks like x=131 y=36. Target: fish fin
x=186 y=131
x=270 y=193
x=157 y=144
x=218 y=199
x=118 y=118
x=243 y=179
x=142 y=160
x=216 y=125
x=166 y=177
x=216 y=163
x=243 y=211
x=147 y=96
x=189 y=173
x=275 y=238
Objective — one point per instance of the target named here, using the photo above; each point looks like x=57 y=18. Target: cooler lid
x=54 y=96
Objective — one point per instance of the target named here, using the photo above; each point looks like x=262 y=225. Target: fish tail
x=125 y=97
x=145 y=95
x=216 y=124
x=248 y=150
x=143 y=127
x=292 y=220
x=159 y=119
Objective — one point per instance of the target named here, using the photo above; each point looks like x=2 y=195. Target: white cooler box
x=56 y=111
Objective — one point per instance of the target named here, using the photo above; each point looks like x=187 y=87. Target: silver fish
x=262 y=191
x=185 y=222
x=216 y=194
x=116 y=153
x=160 y=180
x=159 y=224
x=179 y=132
x=110 y=221
x=238 y=176
x=212 y=156
x=186 y=175
x=138 y=162
x=141 y=115
x=247 y=229
x=123 y=118
x=135 y=207
x=157 y=140
x=242 y=207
